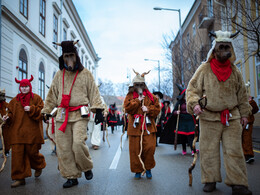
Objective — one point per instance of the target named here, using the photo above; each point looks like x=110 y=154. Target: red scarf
x=221 y=70
x=24 y=98
x=145 y=93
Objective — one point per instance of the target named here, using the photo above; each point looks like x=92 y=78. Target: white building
x=28 y=28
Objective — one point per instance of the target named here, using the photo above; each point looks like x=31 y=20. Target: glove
x=99 y=116
x=45 y=118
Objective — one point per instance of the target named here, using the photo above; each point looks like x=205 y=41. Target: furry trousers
x=247 y=141
x=211 y=133
x=72 y=151
x=24 y=158
x=149 y=142
x=94 y=131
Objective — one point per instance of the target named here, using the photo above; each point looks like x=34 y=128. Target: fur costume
x=73 y=153
x=230 y=95
x=6 y=133
x=26 y=131
x=132 y=106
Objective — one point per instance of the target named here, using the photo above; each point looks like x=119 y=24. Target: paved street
x=112 y=174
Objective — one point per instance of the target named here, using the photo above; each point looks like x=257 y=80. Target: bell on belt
x=84 y=111
x=136 y=122
x=54 y=111
x=147 y=120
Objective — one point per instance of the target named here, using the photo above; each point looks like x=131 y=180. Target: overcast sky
x=125 y=32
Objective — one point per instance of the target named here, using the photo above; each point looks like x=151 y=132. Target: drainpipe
x=61 y=5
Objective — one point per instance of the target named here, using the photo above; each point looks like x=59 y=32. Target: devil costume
x=69 y=91
x=227 y=103
x=112 y=118
x=26 y=132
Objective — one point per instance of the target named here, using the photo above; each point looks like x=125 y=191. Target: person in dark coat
x=159 y=119
x=186 y=126
x=112 y=115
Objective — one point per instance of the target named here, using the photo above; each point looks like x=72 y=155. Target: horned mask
x=69 y=58
x=139 y=82
x=25 y=82
x=222 y=48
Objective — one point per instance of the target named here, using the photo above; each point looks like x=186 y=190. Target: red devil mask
x=25 y=98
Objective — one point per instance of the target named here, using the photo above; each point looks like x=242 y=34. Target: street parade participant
x=74 y=92
x=95 y=129
x=142 y=108
x=159 y=119
x=112 y=115
x=227 y=108
x=6 y=133
x=166 y=111
x=247 y=133
x=184 y=128
x=26 y=133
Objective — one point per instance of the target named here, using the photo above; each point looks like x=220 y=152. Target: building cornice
x=22 y=27
x=82 y=31
x=56 y=7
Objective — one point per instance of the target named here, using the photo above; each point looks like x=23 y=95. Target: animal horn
x=145 y=73
x=212 y=33
x=75 y=42
x=56 y=43
x=17 y=81
x=234 y=34
x=136 y=72
x=31 y=78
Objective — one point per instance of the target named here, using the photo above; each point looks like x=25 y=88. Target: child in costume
x=26 y=130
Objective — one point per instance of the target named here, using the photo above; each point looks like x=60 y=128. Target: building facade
x=213 y=15
x=28 y=28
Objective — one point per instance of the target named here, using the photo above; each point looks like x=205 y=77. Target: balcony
x=206 y=17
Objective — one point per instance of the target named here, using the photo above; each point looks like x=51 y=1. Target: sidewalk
x=256 y=137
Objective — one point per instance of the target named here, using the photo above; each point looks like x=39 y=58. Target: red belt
x=68 y=109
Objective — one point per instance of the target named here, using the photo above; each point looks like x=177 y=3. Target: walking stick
x=3 y=143
x=123 y=130
x=141 y=143
x=202 y=105
x=176 y=132
x=105 y=129
x=48 y=134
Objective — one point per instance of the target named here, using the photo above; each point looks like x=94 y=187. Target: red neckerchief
x=24 y=98
x=221 y=70
x=145 y=93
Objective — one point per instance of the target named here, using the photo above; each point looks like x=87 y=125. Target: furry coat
x=230 y=94
x=133 y=106
x=84 y=92
x=26 y=127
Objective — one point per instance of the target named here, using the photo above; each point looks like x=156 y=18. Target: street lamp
x=158 y=61
x=181 y=53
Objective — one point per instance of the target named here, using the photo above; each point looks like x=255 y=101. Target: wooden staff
x=3 y=143
x=48 y=134
x=177 y=126
x=141 y=143
x=105 y=129
x=203 y=106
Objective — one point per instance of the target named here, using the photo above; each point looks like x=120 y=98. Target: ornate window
x=42 y=16
x=24 y=8
x=23 y=65
x=41 y=81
